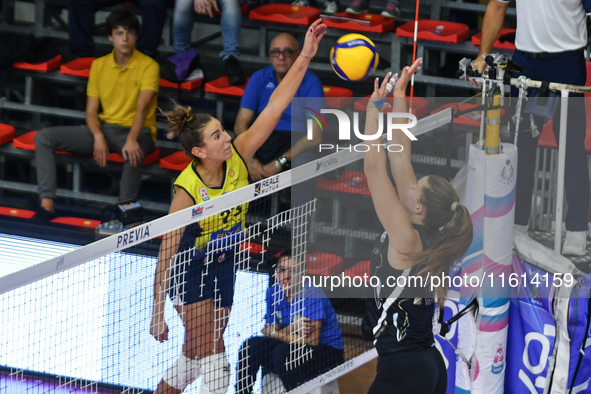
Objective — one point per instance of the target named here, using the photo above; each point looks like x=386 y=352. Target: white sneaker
x=520 y=228
x=575 y=243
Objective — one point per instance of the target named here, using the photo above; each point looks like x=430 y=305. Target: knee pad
x=182 y=373
x=216 y=374
x=272 y=384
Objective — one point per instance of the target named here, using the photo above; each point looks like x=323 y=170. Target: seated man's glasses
x=287 y=52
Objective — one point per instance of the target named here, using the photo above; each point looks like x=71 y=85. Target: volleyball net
x=82 y=320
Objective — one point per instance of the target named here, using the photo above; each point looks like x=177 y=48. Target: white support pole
x=560 y=174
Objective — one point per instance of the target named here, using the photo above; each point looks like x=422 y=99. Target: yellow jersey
x=118 y=89
x=222 y=224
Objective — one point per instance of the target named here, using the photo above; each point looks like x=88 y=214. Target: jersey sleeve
x=150 y=77
x=250 y=96
x=92 y=87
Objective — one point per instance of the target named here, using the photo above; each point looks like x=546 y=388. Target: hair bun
x=178 y=119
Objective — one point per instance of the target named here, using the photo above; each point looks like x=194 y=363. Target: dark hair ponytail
x=450 y=222
x=182 y=122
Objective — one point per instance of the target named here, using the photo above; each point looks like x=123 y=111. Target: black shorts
x=412 y=371
x=194 y=281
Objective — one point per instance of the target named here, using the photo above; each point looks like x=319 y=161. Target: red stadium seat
x=254 y=247
x=547 y=139
x=435 y=31
x=19 y=213
x=463 y=119
x=177 y=161
x=79 y=67
x=285 y=13
x=336 y=97
x=27 y=142
x=189 y=85
x=359 y=269
x=7 y=133
x=78 y=222
x=361 y=23
x=352 y=182
x=323 y=264
x=149 y=159
x=222 y=86
x=497 y=44
x=420 y=105
x=49 y=65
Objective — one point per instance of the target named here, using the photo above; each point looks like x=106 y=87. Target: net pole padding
x=491 y=202
x=161 y=226
x=336 y=372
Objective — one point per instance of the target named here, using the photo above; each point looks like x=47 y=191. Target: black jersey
x=393 y=320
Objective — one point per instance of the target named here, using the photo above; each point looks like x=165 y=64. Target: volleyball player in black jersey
x=426 y=231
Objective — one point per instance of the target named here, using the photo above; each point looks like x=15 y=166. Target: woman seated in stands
x=426 y=231
x=301 y=338
x=218 y=167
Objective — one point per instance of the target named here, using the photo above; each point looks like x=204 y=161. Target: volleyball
x=354 y=57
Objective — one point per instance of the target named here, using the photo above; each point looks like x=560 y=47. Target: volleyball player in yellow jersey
x=218 y=167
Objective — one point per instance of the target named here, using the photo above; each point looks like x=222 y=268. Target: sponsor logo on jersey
x=498 y=360
x=204 y=194
x=196 y=212
x=266 y=186
x=231 y=172
x=270 y=85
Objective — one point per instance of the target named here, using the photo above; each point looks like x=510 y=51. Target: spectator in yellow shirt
x=125 y=84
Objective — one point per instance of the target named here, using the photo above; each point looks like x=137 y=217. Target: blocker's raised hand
x=404 y=77
x=315 y=32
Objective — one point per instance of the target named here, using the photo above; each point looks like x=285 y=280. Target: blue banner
x=531 y=331
x=579 y=330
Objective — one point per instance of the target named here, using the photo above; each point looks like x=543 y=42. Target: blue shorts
x=194 y=281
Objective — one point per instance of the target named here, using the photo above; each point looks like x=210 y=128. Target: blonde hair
x=452 y=228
